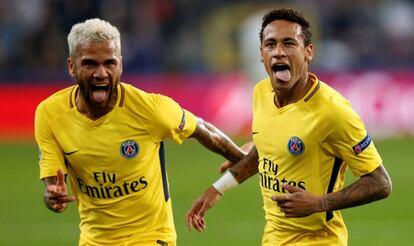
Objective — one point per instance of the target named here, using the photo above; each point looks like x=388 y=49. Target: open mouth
x=280 y=67
x=282 y=71
x=96 y=87
x=100 y=92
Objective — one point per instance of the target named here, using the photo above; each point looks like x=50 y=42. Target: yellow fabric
x=133 y=241
x=328 y=129
x=114 y=162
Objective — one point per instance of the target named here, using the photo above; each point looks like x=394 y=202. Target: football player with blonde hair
x=107 y=137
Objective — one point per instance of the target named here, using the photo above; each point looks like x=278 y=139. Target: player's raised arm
x=56 y=197
x=215 y=140
x=240 y=172
x=228 y=164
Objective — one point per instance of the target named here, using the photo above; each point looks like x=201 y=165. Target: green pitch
x=236 y=220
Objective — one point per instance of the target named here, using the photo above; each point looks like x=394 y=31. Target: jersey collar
x=315 y=87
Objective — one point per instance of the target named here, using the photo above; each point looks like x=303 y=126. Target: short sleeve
x=350 y=140
x=172 y=121
x=50 y=154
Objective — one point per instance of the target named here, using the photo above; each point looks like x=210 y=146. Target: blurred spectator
x=170 y=36
x=396 y=22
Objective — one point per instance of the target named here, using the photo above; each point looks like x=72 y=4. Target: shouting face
x=284 y=55
x=97 y=68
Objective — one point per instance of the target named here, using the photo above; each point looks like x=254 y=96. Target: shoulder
x=136 y=95
x=261 y=91
x=57 y=103
x=336 y=113
x=263 y=86
x=327 y=94
x=329 y=102
x=133 y=92
x=146 y=104
x=335 y=102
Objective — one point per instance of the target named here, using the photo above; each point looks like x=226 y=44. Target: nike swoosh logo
x=254 y=133
x=70 y=153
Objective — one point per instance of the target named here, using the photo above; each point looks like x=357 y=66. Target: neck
x=288 y=96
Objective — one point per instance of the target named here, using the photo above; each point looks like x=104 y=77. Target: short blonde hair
x=93 y=30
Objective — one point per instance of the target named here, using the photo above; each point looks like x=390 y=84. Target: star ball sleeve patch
x=182 y=123
x=363 y=144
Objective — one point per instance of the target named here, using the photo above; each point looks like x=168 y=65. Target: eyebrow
x=92 y=61
x=110 y=61
x=272 y=39
x=88 y=61
x=289 y=39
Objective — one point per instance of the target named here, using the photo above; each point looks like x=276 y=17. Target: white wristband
x=225 y=183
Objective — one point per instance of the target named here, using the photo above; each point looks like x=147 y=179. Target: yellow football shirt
x=308 y=144
x=115 y=164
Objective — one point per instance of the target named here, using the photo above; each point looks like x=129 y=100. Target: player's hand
x=228 y=164
x=56 y=196
x=195 y=216
x=225 y=165
x=297 y=203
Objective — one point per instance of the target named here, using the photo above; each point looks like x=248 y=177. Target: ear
x=71 y=67
x=309 y=53
x=121 y=66
x=261 y=54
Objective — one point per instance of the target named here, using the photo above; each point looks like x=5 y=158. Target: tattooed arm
x=247 y=167
x=371 y=187
x=216 y=141
x=368 y=188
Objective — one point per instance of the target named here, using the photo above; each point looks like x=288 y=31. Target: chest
x=115 y=143
x=288 y=133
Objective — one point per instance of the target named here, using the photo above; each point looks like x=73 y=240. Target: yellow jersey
x=115 y=164
x=308 y=144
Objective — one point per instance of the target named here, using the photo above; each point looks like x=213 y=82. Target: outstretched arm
x=228 y=164
x=247 y=167
x=240 y=172
x=216 y=141
x=368 y=188
x=56 y=197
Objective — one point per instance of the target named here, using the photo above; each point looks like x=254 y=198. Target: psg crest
x=296 y=146
x=129 y=149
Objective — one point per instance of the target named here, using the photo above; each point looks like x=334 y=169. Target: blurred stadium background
x=205 y=54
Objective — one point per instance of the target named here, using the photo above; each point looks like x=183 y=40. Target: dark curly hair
x=288 y=15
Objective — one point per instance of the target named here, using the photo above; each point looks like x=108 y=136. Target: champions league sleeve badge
x=363 y=144
x=296 y=146
x=129 y=149
x=182 y=123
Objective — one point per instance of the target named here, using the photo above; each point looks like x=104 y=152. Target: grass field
x=236 y=220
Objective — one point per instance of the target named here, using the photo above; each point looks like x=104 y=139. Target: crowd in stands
x=197 y=36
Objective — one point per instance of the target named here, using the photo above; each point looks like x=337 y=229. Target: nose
x=100 y=73
x=279 y=50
